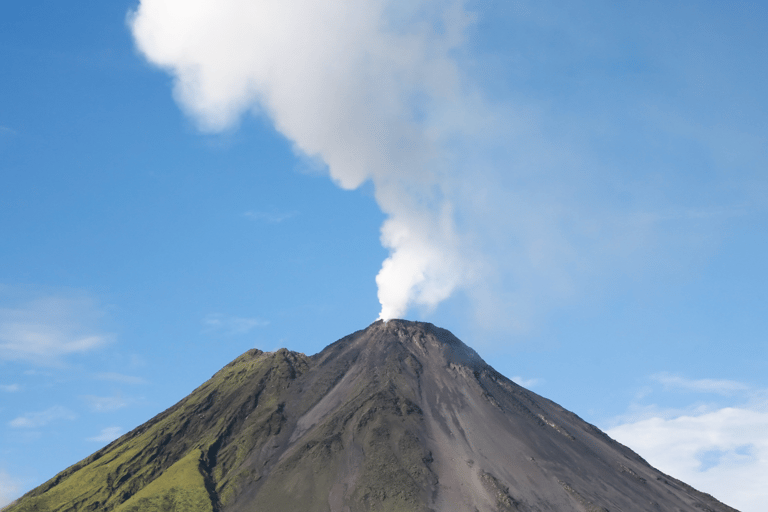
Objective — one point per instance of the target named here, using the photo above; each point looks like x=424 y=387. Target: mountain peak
x=398 y=416
x=421 y=339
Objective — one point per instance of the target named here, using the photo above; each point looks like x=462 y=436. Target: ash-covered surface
x=400 y=416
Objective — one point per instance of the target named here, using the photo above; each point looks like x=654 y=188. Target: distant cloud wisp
x=46 y=329
x=42 y=418
x=119 y=377
x=526 y=383
x=718 y=386
x=107 y=435
x=231 y=325
x=105 y=403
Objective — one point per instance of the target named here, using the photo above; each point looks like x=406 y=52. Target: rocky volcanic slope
x=401 y=416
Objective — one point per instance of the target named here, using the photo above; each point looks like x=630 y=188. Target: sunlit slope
x=401 y=416
x=181 y=459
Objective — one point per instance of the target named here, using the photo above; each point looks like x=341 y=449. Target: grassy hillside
x=181 y=459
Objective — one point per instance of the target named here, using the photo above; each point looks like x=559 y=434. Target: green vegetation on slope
x=180 y=489
x=183 y=456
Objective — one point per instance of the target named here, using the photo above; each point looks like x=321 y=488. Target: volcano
x=400 y=416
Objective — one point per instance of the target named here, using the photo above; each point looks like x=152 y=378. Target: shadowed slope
x=401 y=416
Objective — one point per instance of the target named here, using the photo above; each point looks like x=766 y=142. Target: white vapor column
x=368 y=87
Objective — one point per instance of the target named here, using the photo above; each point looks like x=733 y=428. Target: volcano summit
x=401 y=416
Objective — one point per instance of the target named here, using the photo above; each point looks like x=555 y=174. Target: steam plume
x=369 y=87
x=513 y=201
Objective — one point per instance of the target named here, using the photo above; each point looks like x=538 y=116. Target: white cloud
x=9 y=388
x=44 y=330
x=718 y=386
x=719 y=450
x=9 y=488
x=42 y=418
x=107 y=435
x=105 y=403
x=231 y=325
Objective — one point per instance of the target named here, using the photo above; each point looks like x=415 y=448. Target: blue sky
x=578 y=190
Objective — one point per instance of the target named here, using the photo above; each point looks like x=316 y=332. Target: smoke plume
x=508 y=197
x=369 y=87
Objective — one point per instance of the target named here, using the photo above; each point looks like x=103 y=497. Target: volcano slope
x=401 y=416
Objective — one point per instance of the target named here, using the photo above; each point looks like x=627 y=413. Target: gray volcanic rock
x=401 y=416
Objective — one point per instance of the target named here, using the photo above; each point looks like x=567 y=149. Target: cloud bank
x=718 y=446
x=724 y=451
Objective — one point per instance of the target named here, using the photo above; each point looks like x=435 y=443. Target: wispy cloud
x=717 y=386
x=4 y=130
x=9 y=388
x=119 y=377
x=9 y=488
x=231 y=325
x=42 y=418
x=107 y=435
x=272 y=217
x=526 y=383
x=44 y=330
x=105 y=403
